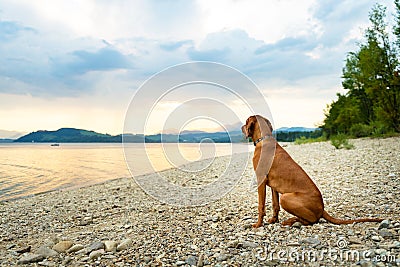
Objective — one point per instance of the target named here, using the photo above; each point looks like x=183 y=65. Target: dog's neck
x=261 y=134
x=255 y=142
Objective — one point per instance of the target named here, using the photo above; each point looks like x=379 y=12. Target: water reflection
x=27 y=169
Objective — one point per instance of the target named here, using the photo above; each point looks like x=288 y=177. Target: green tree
x=371 y=76
x=379 y=62
x=354 y=81
x=341 y=115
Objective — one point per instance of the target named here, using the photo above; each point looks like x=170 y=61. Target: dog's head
x=256 y=126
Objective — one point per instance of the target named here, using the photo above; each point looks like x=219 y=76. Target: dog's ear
x=250 y=128
x=269 y=125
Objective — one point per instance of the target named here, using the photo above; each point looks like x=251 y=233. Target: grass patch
x=340 y=141
x=305 y=140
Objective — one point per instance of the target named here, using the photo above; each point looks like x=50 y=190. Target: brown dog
x=299 y=195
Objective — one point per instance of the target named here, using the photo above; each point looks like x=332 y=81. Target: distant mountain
x=4 y=134
x=229 y=127
x=196 y=137
x=218 y=137
x=69 y=135
x=133 y=138
x=192 y=132
x=295 y=129
x=72 y=135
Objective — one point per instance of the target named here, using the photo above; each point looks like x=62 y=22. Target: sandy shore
x=117 y=224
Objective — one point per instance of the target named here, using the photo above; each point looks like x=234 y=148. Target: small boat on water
x=55 y=145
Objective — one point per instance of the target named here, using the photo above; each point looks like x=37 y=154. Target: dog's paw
x=257 y=225
x=290 y=222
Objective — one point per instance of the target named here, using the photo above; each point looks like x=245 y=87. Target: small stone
x=376 y=238
x=227 y=218
x=214 y=225
x=47 y=263
x=248 y=244
x=261 y=233
x=108 y=256
x=75 y=248
x=222 y=257
x=23 y=250
x=350 y=232
x=11 y=246
x=191 y=260
x=67 y=260
x=395 y=244
x=180 y=263
x=127 y=226
x=354 y=240
x=380 y=251
x=159 y=257
x=96 y=254
x=147 y=259
x=385 y=233
x=233 y=244
x=247 y=226
x=110 y=246
x=272 y=263
x=47 y=252
x=30 y=258
x=82 y=251
x=62 y=246
x=194 y=247
x=85 y=259
x=311 y=241
x=384 y=224
x=297 y=225
x=200 y=262
x=86 y=221
x=125 y=244
x=365 y=263
x=95 y=246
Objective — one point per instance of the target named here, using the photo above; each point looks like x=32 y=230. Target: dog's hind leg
x=293 y=220
x=307 y=209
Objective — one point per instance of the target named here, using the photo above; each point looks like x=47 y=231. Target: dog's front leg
x=261 y=203
x=275 y=207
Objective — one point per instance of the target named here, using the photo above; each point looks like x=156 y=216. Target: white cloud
x=101 y=51
x=269 y=21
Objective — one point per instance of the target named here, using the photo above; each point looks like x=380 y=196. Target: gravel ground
x=117 y=224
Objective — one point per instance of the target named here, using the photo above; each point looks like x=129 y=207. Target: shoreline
x=362 y=182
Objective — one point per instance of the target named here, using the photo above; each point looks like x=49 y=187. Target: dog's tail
x=331 y=219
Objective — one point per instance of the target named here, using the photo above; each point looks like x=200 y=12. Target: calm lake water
x=27 y=169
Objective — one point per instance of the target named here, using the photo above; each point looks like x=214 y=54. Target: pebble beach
x=117 y=224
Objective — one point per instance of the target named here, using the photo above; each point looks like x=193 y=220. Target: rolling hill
x=72 y=135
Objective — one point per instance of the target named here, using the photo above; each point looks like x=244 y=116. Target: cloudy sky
x=78 y=63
